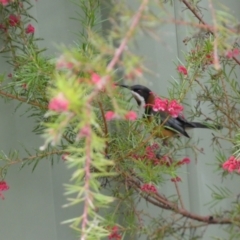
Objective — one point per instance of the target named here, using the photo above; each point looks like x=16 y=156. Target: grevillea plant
x=88 y=121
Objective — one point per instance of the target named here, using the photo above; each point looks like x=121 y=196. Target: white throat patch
x=140 y=99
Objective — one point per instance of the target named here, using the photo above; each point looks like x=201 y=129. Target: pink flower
x=4 y=2
x=59 y=103
x=3 y=27
x=131 y=115
x=99 y=81
x=160 y=104
x=95 y=78
x=24 y=86
x=176 y=179
x=209 y=59
x=85 y=131
x=114 y=235
x=186 y=160
x=231 y=164
x=174 y=108
x=109 y=115
x=65 y=155
x=233 y=53
x=182 y=69
x=13 y=20
x=30 y=29
x=147 y=187
x=3 y=187
x=63 y=63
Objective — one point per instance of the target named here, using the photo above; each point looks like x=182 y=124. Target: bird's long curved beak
x=122 y=85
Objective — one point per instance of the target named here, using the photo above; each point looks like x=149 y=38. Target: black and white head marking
x=139 y=99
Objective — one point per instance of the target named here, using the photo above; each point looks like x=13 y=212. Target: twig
x=168 y=205
x=188 y=5
x=179 y=195
x=215 y=42
x=105 y=126
x=130 y=32
x=25 y=100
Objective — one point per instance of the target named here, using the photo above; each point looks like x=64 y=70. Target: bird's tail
x=204 y=125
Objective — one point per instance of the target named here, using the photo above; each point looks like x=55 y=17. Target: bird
x=167 y=126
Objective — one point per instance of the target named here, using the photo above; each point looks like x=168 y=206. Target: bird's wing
x=176 y=124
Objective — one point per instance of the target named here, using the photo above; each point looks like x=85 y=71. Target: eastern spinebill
x=169 y=126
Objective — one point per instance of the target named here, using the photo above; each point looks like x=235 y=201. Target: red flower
x=2 y=27
x=114 y=235
x=3 y=187
x=174 y=108
x=63 y=63
x=65 y=155
x=9 y=75
x=30 y=29
x=147 y=187
x=176 y=179
x=182 y=69
x=209 y=59
x=58 y=103
x=24 y=86
x=13 y=20
x=231 y=164
x=99 y=81
x=131 y=115
x=95 y=78
x=4 y=2
x=85 y=131
x=233 y=53
x=186 y=160
x=160 y=104
x=109 y=115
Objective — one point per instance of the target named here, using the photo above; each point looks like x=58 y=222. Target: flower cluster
x=231 y=164
x=114 y=235
x=131 y=115
x=149 y=188
x=14 y=20
x=30 y=29
x=176 y=179
x=58 y=103
x=65 y=156
x=63 y=63
x=3 y=187
x=4 y=2
x=172 y=107
x=233 y=53
x=185 y=160
x=181 y=69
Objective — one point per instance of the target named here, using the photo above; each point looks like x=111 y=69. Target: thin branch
x=195 y=13
x=129 y=34
x=25 y=100
x=168 y=205
x=105 y=126
x=179 y=195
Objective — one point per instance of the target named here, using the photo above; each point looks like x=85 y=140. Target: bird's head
x=142 y=94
